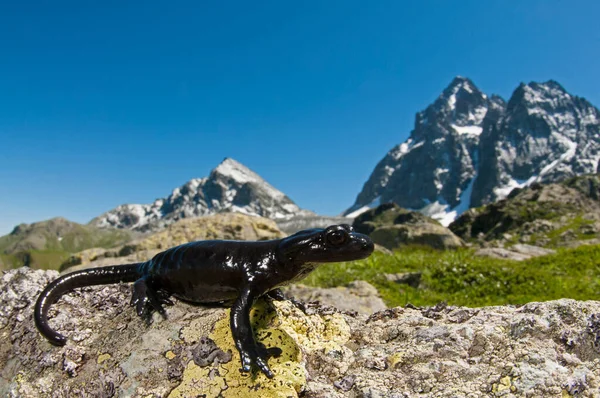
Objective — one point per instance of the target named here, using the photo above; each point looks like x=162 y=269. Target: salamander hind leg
x=147 y=299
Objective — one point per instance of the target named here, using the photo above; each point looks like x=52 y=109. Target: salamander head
x=331 y=244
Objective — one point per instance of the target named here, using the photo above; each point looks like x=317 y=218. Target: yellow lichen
x=102 y=358
x=395 y=359
x=287 y=328
x=504 y=385
x=170 y=354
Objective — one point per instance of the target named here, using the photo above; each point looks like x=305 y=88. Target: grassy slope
x=77 y=238
x=460 y=278
x=48 y=251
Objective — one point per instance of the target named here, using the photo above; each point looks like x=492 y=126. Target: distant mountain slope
x=46 y=244
x=468 y=149
x=230 y=187
x=60 y=234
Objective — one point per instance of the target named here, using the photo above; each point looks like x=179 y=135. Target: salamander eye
x=337 y=237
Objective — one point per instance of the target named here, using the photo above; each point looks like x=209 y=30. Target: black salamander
x=232 y=273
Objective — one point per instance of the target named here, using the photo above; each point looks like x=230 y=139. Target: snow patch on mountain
x=376 y=202
x=474 y=130
x=441 y=211
x=504 y=190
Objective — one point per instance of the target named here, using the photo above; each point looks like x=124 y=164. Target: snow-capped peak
x=459 y=88
x=236 y=171
x=231 y=186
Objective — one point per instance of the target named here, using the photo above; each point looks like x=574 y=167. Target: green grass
x=461 y=278
x=48 y=259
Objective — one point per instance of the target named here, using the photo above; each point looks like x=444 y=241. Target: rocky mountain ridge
x=469 y=149
x=230 y=187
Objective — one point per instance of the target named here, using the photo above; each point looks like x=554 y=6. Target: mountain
x=468 y=149
x=230 y=187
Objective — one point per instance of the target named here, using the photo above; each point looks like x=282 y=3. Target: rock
x=408 y=278
x=549 y=349
x=537 y=227
x=392 y=227
x=518 y=252
x=588 y=229
x=300 y=222
x=233 y=226
x=532 y=251
x=381 y=249
x=85 y=257
x=359 y=296
x=112 y=352
x=396 y=236
x=500 y=252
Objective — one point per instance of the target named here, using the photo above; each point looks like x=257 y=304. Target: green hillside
x=47 y=244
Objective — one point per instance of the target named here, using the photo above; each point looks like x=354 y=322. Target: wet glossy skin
x=232 y=273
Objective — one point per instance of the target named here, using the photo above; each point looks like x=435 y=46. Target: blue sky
x=104 y=103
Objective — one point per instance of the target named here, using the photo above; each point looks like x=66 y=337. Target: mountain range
x=468 y=149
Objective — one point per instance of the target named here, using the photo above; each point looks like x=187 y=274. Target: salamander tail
x=68 y=282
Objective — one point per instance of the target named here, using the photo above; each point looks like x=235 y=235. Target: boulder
x=234 y=226
x=549 y=349
x=392 y=227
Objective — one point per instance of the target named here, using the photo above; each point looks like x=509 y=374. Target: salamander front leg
x=243 y=336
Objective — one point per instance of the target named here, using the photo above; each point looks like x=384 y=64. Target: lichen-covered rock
x=233 y=226
x=547 y=349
